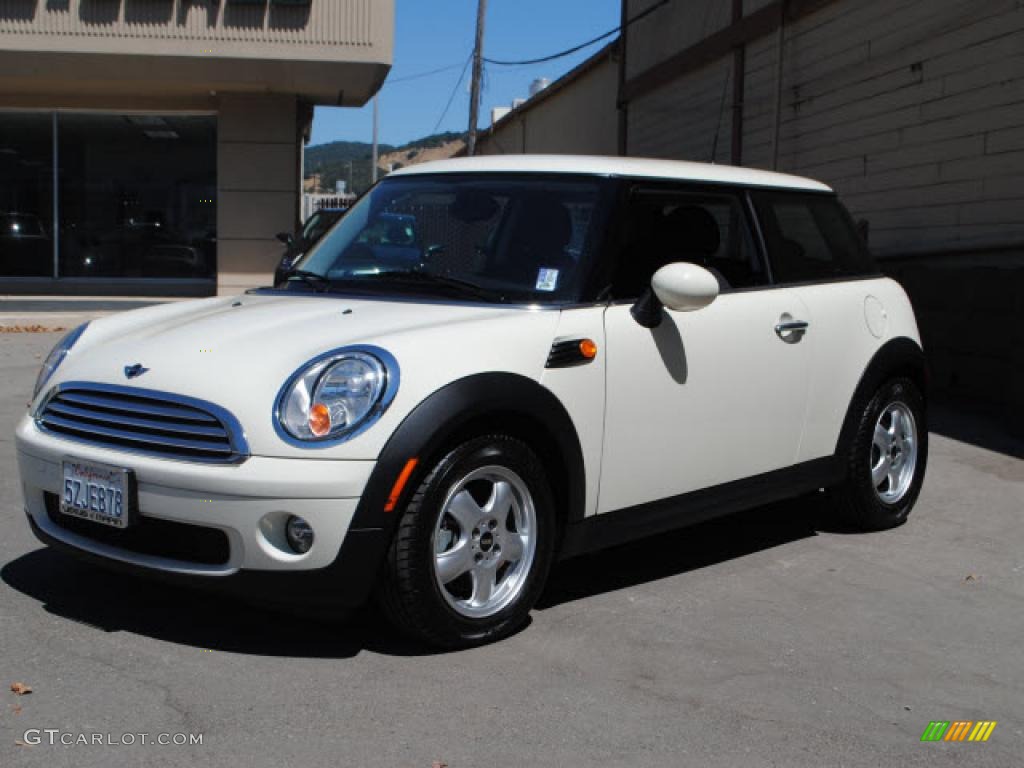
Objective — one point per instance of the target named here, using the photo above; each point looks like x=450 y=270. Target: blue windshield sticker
x=547 y=279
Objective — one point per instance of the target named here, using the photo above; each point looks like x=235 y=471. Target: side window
x=810 y=237
x=667 y=225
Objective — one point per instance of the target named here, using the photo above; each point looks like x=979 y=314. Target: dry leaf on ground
x=20 y=688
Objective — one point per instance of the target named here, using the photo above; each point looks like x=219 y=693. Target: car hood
x=238 y=352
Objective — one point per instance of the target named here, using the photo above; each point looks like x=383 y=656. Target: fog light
x=300 y=534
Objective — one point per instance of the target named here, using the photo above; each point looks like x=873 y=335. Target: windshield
x=491 y=237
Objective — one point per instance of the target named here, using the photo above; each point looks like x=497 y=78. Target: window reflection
x=137 y=196
x=26 y=194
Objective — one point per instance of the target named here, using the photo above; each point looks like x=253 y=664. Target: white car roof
x=616 y=166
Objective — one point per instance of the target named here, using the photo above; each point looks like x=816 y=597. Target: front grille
x=144 y=422
x=150 y=536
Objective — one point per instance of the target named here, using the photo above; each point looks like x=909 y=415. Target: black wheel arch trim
x=499 y=401
x=899 y=356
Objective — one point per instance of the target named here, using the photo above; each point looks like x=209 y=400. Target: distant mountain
x=331 y=161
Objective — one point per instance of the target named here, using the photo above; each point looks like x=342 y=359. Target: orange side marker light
x=588 y=349
x=399 y=486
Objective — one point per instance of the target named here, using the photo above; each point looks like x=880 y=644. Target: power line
x=454 y=91
x=421 y=75
x=554 y=56
x=581 y=46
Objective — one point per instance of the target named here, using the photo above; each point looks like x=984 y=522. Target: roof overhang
x=64 y=79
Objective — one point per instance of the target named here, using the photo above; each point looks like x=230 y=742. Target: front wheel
x=886 y=459
x=473 y=547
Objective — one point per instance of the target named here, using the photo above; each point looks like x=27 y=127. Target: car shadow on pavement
x=109 y=602
x=101 y=599
x=688 y=549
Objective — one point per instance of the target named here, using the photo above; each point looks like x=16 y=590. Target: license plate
x=97 y=493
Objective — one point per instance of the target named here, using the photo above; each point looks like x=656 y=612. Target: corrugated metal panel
x=323 y=22
x=912 y=109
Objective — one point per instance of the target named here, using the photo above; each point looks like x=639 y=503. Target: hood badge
x=134 y=371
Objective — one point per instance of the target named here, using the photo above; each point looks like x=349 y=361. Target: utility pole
x=478 y=66
x=376 y=128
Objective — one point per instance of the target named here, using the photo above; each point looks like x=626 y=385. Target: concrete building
x=912 y=109
x=155 y=146
x=576 y=114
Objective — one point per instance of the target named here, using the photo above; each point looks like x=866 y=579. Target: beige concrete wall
x=258 y=176
x=912 y=109
x=580 y=118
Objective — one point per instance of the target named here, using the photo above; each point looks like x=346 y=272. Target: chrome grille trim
x=143 y=421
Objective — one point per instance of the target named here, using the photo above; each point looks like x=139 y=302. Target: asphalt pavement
x=771 y=638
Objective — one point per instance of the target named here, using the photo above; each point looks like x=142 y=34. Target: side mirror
x=286 y=238
x=680 y=287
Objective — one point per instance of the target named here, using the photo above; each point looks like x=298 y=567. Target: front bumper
x=248 y=504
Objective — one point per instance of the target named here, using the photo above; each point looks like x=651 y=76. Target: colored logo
x=958 y=730
x=134 y=371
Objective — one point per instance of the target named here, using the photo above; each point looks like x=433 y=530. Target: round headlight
x=334 y=396
x=56 y=357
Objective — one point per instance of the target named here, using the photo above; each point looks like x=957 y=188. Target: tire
x=886 y=459
x=457 y=532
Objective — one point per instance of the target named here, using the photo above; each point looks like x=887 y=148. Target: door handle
x=784 y=330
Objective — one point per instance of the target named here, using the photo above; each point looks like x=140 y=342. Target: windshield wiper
x=429 y=278
x=318 y=282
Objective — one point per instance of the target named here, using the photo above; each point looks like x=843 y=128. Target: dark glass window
x=137 y=195
x=810 y=237
x=665 y=225
x=26 y=194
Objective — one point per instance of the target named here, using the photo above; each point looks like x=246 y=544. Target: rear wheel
x=474 y=546
x=887 y=458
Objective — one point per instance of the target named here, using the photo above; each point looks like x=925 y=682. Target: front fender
x=465 y=408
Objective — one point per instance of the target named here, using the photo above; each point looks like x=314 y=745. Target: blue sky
x=431 y=34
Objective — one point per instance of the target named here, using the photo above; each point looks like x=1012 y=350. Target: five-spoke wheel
x=894 y=452
x=484 y=542
x=886 y=457
x=473 y=546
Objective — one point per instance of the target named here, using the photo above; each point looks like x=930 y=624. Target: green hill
x=332 y=160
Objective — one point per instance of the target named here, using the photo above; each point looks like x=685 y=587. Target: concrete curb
x=43 y=313
x=46 y=321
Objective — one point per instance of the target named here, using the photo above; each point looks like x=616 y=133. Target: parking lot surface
x=771 y=638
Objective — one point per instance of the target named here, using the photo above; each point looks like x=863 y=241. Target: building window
x=135 y=196
x=26 y=194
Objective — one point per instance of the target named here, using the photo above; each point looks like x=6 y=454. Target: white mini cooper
x=487 y=364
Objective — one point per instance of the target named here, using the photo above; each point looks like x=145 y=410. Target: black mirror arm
x=647 y=310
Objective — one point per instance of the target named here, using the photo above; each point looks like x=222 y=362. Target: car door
x=815 y=252
x=710 y=396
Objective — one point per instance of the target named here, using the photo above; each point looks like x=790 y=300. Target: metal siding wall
x=671 y=28
x=323 y=22
x=579 y=119
x=912 y=109
x=679 y=120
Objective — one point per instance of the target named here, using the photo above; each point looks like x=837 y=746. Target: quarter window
x=810 y=237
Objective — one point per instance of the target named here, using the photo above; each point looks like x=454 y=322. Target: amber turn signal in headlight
x=320 y=420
